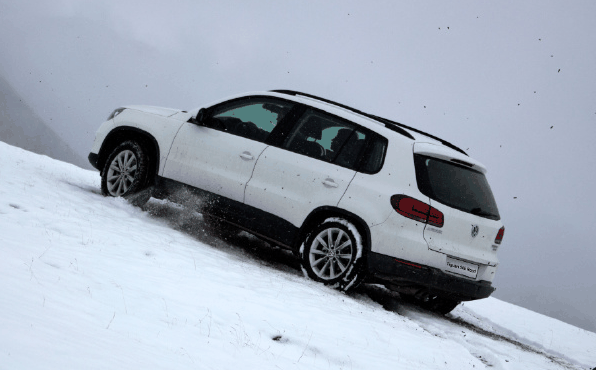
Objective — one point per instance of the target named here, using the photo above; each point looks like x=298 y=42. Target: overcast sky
x=511 y=82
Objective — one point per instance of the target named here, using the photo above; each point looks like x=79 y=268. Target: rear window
x=374 y=155
x=456 y=186
x=335 y=140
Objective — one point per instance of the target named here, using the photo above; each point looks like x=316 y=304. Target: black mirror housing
x=200 y=119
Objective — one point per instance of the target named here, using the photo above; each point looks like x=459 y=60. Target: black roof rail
x=392 y=125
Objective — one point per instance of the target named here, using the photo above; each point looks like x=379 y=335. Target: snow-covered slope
x=89 y=282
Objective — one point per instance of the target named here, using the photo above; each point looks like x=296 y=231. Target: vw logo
x=474 y=230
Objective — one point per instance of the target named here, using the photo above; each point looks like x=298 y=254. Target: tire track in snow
x=438 y=325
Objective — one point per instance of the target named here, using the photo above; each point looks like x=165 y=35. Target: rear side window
x=335 y=140
x=328 y=138
x=349 y=150
x=374 y=155
x=456 y=186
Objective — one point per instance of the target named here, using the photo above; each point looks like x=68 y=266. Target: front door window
x=249 y=118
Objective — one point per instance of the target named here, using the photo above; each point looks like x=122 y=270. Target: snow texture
x=90 y=282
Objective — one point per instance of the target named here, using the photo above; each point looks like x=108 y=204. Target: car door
x=218 y=155
x=312 y=168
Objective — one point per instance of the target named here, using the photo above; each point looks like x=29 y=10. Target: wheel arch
x=124 y=133
x=319 y=214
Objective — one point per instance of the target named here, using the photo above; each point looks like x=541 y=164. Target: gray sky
x=513 y=82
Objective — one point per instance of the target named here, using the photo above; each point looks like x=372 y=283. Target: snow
x=515 y=322
x=95 y=283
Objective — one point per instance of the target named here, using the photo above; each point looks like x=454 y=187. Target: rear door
x=312 y=168
x=471 y=218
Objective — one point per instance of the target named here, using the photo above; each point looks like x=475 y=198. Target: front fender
x=161 y=130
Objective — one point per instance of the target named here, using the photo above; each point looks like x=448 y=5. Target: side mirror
x=200 y=118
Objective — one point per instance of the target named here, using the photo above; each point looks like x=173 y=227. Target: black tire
x=342 y=264
x=125 y=173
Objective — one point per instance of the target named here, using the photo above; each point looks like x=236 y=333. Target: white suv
x=355 y=195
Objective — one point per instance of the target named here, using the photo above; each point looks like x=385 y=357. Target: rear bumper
x=408 y=275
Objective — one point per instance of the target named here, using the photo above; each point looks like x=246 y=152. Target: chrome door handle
x=330 y=183
x=247 y=156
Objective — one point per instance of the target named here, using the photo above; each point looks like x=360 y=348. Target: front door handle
x=247 y=156
x=328 y=182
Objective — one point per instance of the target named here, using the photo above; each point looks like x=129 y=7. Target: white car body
x=282 y=190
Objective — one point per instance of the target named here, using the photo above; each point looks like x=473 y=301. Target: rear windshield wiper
x=478 y=211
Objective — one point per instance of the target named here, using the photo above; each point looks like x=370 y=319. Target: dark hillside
x=20 y=126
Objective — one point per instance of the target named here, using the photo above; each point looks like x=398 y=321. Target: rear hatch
x=457 y=187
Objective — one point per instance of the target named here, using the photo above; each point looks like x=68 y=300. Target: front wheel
x=333 y=254
x=125 y=172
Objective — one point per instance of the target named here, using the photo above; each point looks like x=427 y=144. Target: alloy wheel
x=331 y=253
x=121 y=173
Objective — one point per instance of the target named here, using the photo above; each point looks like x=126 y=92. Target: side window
x=326 y=138
x=250 y=118
x=351 y=150
x=374 y=155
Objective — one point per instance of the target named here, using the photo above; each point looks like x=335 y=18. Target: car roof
x=392 y=125
x=366 y=119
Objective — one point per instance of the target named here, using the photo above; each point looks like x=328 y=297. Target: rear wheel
x=333 y=254
x=125 y=173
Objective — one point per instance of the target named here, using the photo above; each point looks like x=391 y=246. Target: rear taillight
x=435 y=217
x=500 y=234
x=417 y=210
